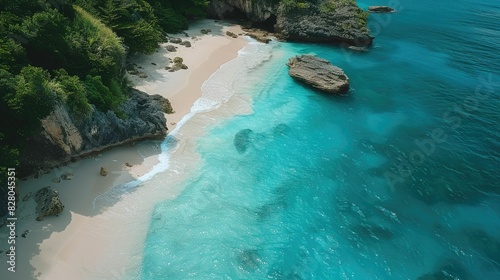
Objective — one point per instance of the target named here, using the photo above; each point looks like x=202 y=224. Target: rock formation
x=318 y=73
x=254 y=10
x=308 y=21
x=103 y=172
x=64 y=137
x=48 y=202
x=380 y=9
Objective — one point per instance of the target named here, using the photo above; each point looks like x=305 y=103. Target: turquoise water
x=397 y=180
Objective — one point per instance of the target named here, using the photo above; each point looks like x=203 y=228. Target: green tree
x=43 y=37
x=33 y=99
x=73 y=93
x=93 y=47
x=12 y=55
x=133 y=20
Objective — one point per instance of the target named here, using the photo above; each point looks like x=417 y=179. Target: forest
x=73 y=52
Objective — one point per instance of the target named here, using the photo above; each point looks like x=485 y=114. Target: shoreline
x=88 y=231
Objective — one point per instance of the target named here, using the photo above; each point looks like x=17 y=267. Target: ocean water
x=397 y=180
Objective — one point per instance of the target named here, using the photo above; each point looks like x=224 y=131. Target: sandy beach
x=99 y=224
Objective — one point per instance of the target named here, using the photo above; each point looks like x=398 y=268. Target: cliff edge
x=64 y=137
x=326 y=21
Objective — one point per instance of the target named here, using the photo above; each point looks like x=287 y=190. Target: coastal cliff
x=326 y=21
x=64 y=137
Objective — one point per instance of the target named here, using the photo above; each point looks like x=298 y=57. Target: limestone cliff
x=64 y=137
x=329 y=21
x=255 y=10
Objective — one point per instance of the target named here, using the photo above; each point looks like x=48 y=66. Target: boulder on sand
x=48 y=202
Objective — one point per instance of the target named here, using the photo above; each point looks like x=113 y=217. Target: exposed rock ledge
x=64 y=137
x=380 y=9
x=318 y=73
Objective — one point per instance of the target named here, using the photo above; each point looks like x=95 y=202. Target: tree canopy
x=72 y=52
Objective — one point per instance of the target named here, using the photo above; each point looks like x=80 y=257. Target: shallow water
x=397 y=180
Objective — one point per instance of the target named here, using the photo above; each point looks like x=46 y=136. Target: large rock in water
x=64 y=137
x=48 y=202
x=380 y=9
x=318 y=73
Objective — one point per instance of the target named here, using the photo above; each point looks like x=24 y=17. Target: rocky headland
x=65 y=137
x=322 y=21
x=318 y=73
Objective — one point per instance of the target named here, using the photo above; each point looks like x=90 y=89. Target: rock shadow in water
x=249 y=260
x=242 y=140
x=245 y=138
x=448 y=270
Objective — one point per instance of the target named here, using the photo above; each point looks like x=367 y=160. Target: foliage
x=72 y=53
x=73 y=93
x=94 y=47
x=168 y=19
x=34 y=98
x=173 y=15
x=133 y=20
x=12 y=55
x=103 y=97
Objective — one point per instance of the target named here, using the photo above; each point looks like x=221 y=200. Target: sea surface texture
x=397 y=180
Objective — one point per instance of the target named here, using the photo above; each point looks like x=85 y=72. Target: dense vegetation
x=72 y=52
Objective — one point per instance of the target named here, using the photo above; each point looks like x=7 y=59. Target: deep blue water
x=397 y=180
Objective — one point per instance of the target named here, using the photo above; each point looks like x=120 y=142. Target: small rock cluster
x=231 y=34
x=132 y=69
x=178 y=65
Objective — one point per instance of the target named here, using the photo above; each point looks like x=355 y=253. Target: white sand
x=100 y=233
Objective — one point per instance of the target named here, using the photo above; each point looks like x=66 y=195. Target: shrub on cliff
x=94 y=47
x=133 y=20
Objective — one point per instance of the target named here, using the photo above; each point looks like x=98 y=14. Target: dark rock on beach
x=171 y=48
x=186 y=44
x=259 y=35
x=380 y=9
x=231 y=34
x=103 y=172
x=49 y=203
x=175 y=40
x=318 y=73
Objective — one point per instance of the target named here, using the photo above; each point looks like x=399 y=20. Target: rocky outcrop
x=309 y=21
x=64 y=137
x=321 y=23
x=318 y=73
x=380 y=9
x=254 y=10
x=49 y=203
